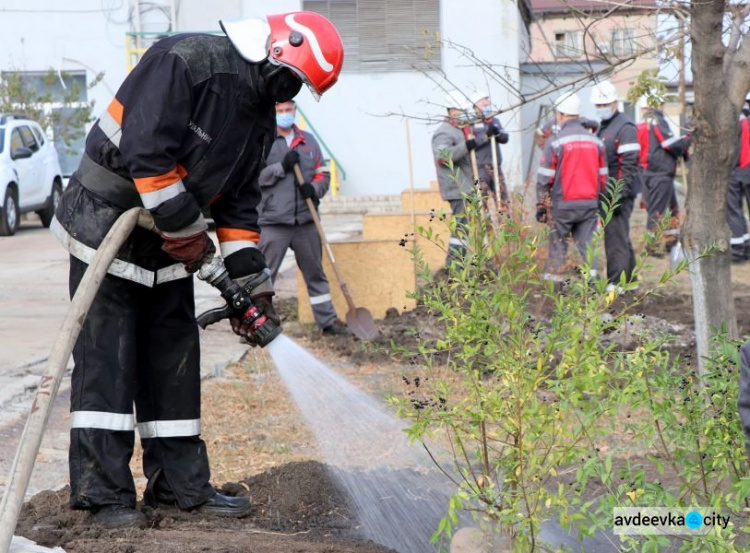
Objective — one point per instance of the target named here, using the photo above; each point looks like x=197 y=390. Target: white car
x=30 y=175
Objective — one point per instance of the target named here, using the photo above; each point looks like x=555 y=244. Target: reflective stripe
x=738 y=240
x=322 y=169
x=118 y=268
x=173 y=272
x=625 y=148
x=576 y=138
x=456 y=242
x=169 y=429
x=669 y=141
x=746 y=237
x=317 y=300
x=671 y=232
x=102 y=420
x=111 y=128
x=552 y=278
x=226 y=234
x=545 y=172
x=157 y=197
x=199 y=225
x=228 y=248
x=604 y=171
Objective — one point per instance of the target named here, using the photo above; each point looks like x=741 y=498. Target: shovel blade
x=361 y=323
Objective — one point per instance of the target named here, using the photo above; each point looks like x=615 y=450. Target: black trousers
x=617 y=244
x=139 y=346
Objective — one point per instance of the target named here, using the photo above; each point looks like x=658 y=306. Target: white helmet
x=568 y=103
x=455 y=99
x=747 y=97
x=478 y=95
x=603 y=93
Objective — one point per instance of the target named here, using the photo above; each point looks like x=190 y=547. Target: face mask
x=488 y=111
x=284 y=120
x=283 y=86
x=604 y=113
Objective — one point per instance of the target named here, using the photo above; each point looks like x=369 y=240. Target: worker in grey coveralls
x=286 y=221
x=739 y=191
x=572 y=174
x=618 y=132
x=450 y=148
x=484 y=128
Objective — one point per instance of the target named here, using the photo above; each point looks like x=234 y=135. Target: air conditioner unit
x=603 y=47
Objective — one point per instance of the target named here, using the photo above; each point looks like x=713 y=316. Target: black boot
x=337 y=328
x=226 y=506
x=119 y=516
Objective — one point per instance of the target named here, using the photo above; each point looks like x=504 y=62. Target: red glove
x=189 y=250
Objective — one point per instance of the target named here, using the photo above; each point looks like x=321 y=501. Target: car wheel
x=9 y=214
x=48 y=213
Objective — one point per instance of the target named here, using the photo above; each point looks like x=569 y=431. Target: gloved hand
x=471 y=144
x=189 y=250
x=290 y=159
x=307 y=190
x=492 y=130
x=260 y=288
x=541 y=213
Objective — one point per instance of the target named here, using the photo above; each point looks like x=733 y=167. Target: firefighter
x=572 y=174
x=660 y=152
x=451 y=147
x=487 y=126
x=188 y=127
x=618 y=132
x=285 y=219
x=739 y=191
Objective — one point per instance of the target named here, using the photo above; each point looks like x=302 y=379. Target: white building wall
x=67 y=36
x=353 y=117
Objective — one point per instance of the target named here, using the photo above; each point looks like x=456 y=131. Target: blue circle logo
x=694 y=520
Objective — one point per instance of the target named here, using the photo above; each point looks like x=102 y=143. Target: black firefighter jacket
x=660 y=148
x=189 y=129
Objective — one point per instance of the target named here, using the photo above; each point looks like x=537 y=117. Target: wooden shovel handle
x=326 y=245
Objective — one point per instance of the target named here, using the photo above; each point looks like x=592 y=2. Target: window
x=623 y=42
x=15 y=141
x=568 y=44
x=28 y=139
x=384 y=35
x=2 y=140
x=39 y=136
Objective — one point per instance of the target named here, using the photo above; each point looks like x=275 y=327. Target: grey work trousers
x=305 y=242
x=579 y=223
x=456 y=246
x=660 y=197
x=617 y=244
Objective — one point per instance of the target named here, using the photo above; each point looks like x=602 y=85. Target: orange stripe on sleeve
x=233 y=234
x=115 y=109
x=145 y=185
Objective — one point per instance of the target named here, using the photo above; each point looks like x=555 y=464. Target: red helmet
x=308 y=44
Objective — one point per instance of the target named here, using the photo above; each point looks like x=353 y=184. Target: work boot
x=119 y=516
x=221 y=505
x=337 y=328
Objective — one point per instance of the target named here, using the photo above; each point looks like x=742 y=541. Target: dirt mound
x=298 y=509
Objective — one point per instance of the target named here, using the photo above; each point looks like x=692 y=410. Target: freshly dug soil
x=297 y=509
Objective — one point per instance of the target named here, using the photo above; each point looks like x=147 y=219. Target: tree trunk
x=714 y=137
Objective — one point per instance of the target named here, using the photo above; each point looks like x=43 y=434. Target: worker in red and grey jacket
x=286 y=221
x=189 y=127
x=739 y=191
x=662 y=150
x=571 y=176
x=618 y=132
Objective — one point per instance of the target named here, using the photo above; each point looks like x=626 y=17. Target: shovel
x=358 y=319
